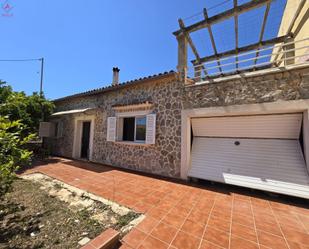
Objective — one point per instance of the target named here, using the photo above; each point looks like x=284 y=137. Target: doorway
x=83 y=137
x=85 y=140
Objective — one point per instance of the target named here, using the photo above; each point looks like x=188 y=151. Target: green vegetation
x=12 y=153
x=20 y=116
x=28 y=109
x=126 y=219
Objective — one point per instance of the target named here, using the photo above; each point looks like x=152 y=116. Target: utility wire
x=25 y=60
x=210 y=8
x=21 y=60
x=217 y=5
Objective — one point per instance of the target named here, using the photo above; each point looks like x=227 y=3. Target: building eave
x=155 y=77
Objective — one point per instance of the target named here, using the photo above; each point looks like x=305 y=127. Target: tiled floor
x=186 y=216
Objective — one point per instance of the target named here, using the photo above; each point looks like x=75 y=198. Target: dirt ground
x=32 y=218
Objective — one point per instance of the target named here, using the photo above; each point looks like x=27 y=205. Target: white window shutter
x=150 y=129
x=119 y=131
x=111 y=129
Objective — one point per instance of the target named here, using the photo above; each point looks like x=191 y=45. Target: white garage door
x=261 y=152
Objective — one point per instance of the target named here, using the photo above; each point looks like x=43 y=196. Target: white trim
x=78 y=133
x=132 y=143
x=293 y=106
x=135 y=115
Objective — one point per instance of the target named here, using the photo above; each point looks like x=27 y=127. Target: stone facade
x=266 y=87
x=162 y=158
x=169 y=96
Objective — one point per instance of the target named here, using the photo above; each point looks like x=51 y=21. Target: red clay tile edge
x=106 y=240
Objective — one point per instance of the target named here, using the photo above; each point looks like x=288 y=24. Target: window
x=134 y=129
x=138 y=129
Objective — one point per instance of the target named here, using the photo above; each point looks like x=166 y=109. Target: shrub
x=29 y=109
x=12 y=151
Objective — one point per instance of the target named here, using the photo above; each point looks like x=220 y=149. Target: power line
x=4 y=60
x=25 y=60
x=210 y=8
x=218 y=5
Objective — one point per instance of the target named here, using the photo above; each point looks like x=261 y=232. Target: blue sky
x=82 y=40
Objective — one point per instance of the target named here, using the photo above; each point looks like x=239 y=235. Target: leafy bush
x=29 y=109
x=20 y=117
x=12 y=152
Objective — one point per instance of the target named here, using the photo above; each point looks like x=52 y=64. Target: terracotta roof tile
x=111 y=87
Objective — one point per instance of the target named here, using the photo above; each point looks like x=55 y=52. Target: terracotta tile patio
x=187 y=216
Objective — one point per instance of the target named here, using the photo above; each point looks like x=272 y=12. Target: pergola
x=184 y=39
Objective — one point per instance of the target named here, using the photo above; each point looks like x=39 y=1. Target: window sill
x=131 y=143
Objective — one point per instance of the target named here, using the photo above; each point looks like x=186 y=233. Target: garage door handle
x=237 y=143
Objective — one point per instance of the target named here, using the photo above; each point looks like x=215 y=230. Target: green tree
x=20 y=116
x=13 y=154
x=29 y=109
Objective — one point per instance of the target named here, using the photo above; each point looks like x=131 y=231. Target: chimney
x=115 y=76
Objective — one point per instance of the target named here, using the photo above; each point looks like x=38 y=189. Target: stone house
x=126 y=143
x=249 y=128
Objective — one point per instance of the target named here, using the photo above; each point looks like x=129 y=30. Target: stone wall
x=62 y=146
x=266 y=87
x=169 y=97
x=161 y=158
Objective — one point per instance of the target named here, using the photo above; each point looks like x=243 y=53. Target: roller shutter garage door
x=260 y=152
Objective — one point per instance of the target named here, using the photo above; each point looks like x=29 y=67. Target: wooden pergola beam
x=224 y=15
x=191 y=44
x=262 y=30
x=236 y=32
x=213 y=43
x=194 y=50
x=251 y=47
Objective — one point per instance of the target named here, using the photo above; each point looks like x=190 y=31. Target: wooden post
x=182 y=66
x=193 y=48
